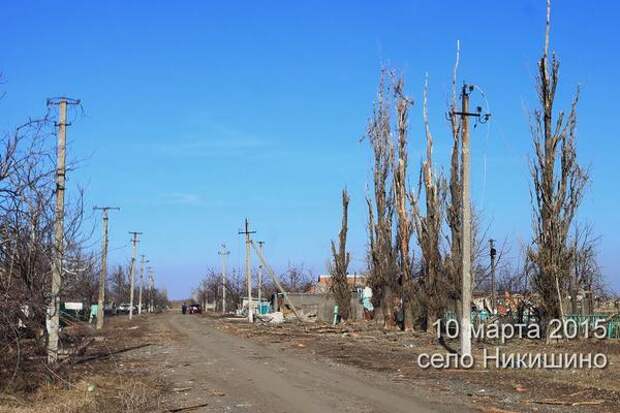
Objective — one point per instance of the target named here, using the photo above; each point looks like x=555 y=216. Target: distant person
x=184 y=308
x=367 y=303
x=93 y=313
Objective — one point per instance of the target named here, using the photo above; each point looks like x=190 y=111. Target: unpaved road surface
x=232 y=374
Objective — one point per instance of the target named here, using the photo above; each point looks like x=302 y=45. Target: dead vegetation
x=341 y=258
x=558 y=182
x=369 y=346
x=27 y=251
x=111 y=375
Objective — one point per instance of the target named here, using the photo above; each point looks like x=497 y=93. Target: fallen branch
x=567 y=403
x=588 y=403
x=185 y=409
x=181 y=389
x=106 y=355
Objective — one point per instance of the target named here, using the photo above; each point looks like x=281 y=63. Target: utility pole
x=248 y=269
x=224 y=253
x=465 y=329
x=274 y=278
x=132 y=269
x=152 y=280
x=53 y=309
x=141 y=284
x=260 y=278
x=493 y=253
x=104 y=265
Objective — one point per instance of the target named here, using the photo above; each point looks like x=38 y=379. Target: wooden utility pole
x=224 y=254
x=493 y=253
x=260 y=278
x=141 y=283
x=104 y=265
x=53 y=310
x=248 y=269
x=132 y=269
x=466 y=278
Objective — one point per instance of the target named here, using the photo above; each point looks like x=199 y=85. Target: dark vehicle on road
x=194 y=309
x=124 y=308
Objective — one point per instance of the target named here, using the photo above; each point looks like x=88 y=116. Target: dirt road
x=232 y=374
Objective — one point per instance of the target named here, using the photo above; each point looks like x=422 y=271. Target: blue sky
x=198 y=114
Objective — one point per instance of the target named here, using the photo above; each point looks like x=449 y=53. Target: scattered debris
x=272 y=318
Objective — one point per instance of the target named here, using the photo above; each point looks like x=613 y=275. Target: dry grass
x=98 y=394
x=120 y=383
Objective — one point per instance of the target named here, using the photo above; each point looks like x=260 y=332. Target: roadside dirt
x=206 y=364
x=191 y=363
x=367 y=346
x=112 y=375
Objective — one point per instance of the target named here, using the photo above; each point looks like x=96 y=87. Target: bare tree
x=404 y=226
x=383 y=271
x=586 y=275
x=557 y=187
x=119 y=285
x=339 y=285
x=428 y=229
x=453 y=210
x=297 y=279
x=26 y=221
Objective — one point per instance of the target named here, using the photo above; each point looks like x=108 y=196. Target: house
x=356 y=282
x=320 y=305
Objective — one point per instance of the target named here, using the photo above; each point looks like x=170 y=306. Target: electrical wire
x=486 y=145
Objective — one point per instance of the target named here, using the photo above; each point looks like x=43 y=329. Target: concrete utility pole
x=493 y=253
x=53 y=310
x=466 y=231
x=260 y=277
x=104 y=265
x=274 y=278
x=466 y=217
x=248 y=269
x=132 y=269
x=224 y=254
x=152 y=280
x=141 y=283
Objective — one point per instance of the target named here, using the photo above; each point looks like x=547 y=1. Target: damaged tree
x=381 y=256
x=428 y=230
x=403 y=226
x=557 y=188
x=453 y=209
x=339 y=286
